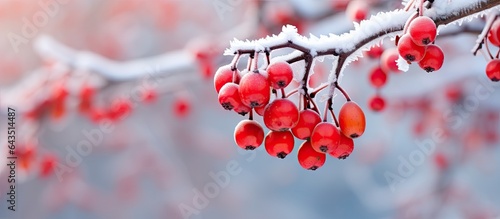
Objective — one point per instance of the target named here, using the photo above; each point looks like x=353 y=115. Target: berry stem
x=255 y=62
x=334 y=118
x=342 y=91
x=325 y=113
x=283 y=95
x=233 y=67
x=268 y=58
x=292 y=92
x=482 y=38
x=315 y=107
x=317 y=90
x=250 y=59
x=250 y=115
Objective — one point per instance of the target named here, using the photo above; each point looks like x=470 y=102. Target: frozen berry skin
x=279 y=144
x=279 y=74
x=494 y=34
x=433 y=59
x=410 y=51
x=345 y=148
x=281 y=115
x=352 y=120
x=229 y=96
x=493 y=70
x=308 y=119
x=248 y=134
x=325 y=137
x=254 y=89
x=422 y=31
x=223 y=76
x=310 y=159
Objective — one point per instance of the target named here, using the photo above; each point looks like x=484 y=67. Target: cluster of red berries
x=251 y=91
x=379 y=75
x=416 y=45
x=493 y=67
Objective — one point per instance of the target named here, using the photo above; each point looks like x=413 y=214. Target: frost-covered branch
x=349 y=46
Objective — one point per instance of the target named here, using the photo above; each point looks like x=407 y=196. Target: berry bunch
x=493 y=66
x=251 y=90
x=415 y=44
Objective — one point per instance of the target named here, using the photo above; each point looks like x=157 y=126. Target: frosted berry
x=493 y=70
x=376 y=103
x=388 y=60
x=352 y=120
x=325 y=137
x=422 y=31
x=494 y=34
x=433 y=59
x=223 y=76
x=308 y=119
x=279 y=74
x=281 y=115
x=229 y=96
x=410 y=51
x=279 y=144
x=378 y=78
x=345 y=148
x=310 y=159
x=254 y=89
x=248 y=134
x=260 y=110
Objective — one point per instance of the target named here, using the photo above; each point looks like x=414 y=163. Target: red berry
x=388 y=60
x=345 y=148
x=223 y=76
x=357 y=10
x=310 y=159
x=422 y=31
x=279 y=144
x=182 y=106
x=308 y=119
x=119 y=109
x=378 y=78
x=96 y=114
x=409 y=50
x=280 y=74
x=493 y=70
x=260 y=110
x=281 y=115
x=352 y=120
x=86 y=96
x=433 y=59
x=47 y=165
x=377 y=103
x=149 y=95
x=254 y=89
x=375 y=52
x=248 y=134
x=494 y=34
x=229 y=96
x=25 y=155
x=325 y=137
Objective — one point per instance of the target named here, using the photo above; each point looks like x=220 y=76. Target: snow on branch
x=349 y=46
x=171 y=62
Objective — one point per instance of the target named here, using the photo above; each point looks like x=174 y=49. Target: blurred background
x=117 y=117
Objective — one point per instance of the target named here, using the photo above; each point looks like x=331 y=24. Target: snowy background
x=151 y=163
